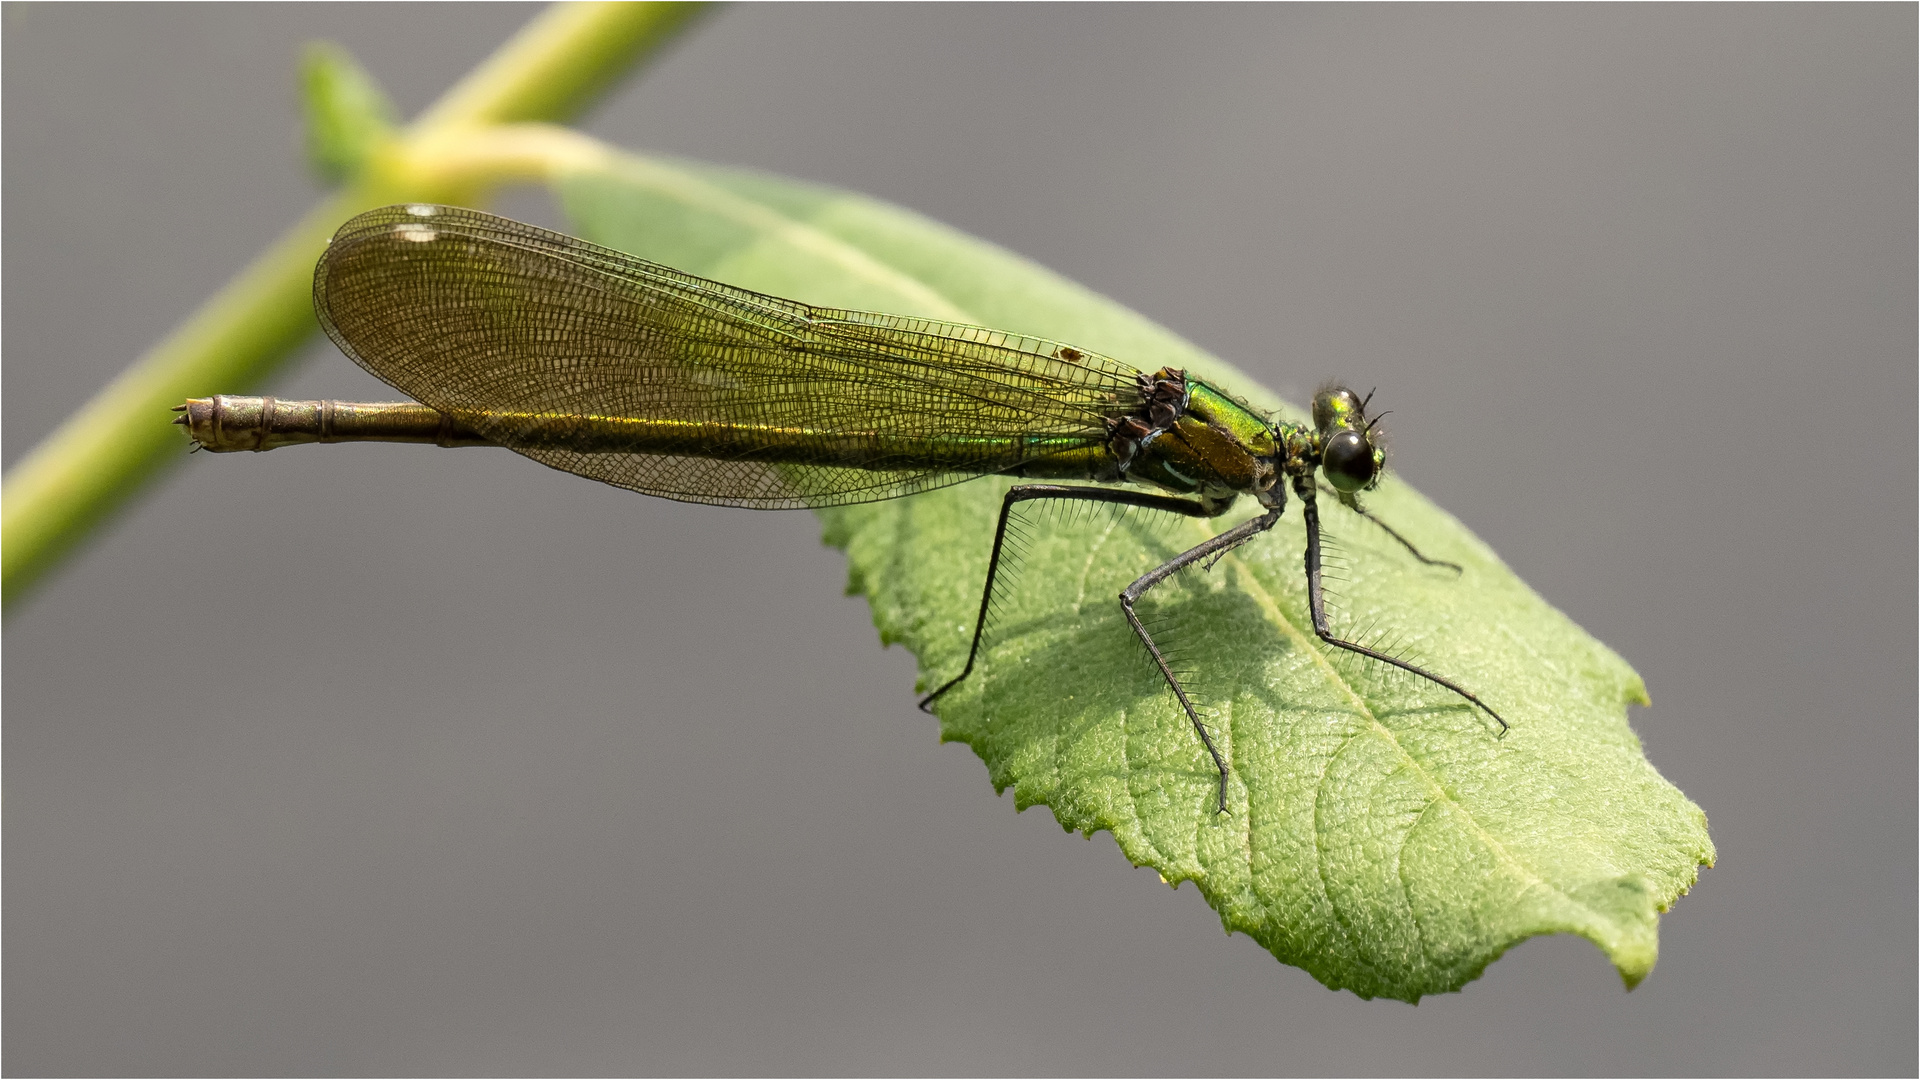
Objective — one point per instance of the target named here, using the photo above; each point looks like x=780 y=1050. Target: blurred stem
x=105 y=452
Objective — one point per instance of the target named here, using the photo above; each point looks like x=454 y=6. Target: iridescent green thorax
x=1190 y=438
x=1250 y=429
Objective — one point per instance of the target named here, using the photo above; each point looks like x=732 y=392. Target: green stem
x=79 y=475
x=558 y=64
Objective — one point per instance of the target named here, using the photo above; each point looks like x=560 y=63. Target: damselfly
x=605 y=365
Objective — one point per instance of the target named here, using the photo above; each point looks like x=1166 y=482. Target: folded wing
x=519 y=330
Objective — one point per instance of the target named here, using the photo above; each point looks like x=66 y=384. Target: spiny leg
x=1395 y=533
x=1020 y=493
x=1212 y=548
x=1317 y=606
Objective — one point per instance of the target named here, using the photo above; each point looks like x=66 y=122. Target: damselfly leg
x=1317 y=608
x=1395 y=533
x=1214 y=547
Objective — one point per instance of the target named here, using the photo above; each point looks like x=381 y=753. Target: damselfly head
x=1350 y=454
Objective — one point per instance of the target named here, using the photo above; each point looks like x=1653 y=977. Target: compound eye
x=1348 y=461
x=1335 y=407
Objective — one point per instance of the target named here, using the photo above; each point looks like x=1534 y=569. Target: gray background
x=393 y=761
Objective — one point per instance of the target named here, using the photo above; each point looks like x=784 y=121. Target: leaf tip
x=1635 y=963
x=1636 y=692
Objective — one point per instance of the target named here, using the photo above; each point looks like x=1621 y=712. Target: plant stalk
x=114 y=444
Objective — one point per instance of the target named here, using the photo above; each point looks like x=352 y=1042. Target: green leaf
x=1381 y=836
x=347 y=113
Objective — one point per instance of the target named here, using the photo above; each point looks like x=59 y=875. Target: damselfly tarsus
x=626 y=371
